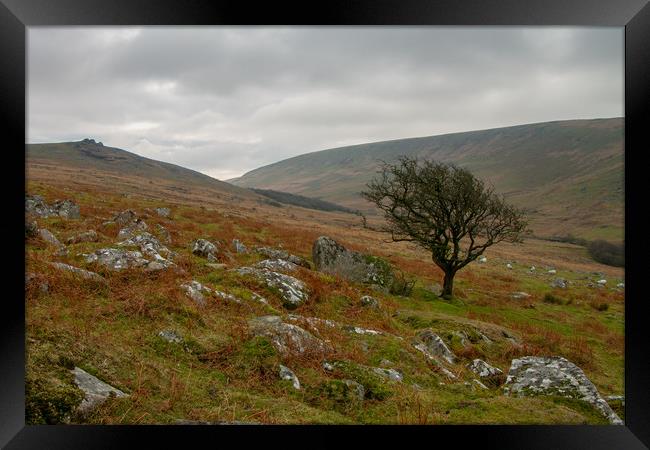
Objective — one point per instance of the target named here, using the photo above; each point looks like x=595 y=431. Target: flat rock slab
x=96 y=390
x=35 y=204
x=293 y=291
x=276 y=265
x=86 y=274
x=119 y=259
x=274 y=253
x=483 y=369
x=433 y=346
x=287 y=338
x=534 y=375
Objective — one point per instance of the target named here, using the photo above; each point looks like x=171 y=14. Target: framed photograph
x=387 y=216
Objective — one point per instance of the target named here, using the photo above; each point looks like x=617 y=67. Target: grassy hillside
x=568 y=174
x=220 y=372
x=90 y=156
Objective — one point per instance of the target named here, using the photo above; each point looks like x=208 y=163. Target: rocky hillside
x=568 y=174
x=142 y=311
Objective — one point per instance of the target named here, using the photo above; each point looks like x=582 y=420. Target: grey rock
x=331 y=257
x=163 y=212
x=482 y=259
x=435 y=289
x=483 y=369
x=276 y=265
x=124 y=218
x=433 y=346
x=171 y=336
x=86 y=236
x=217 y=266
x=390 y=374
x=274 y=253
x=519 y=295
x=117 y=259
x=239 y=246
x=385 y=363
x=196 y=291
x=294 y=292
x=132 y=228
x=534 y=375
x=559 y=283
x=85 y=274
x=287 y=338
x=287 y=374
x=150 y=246
x=479 y=384
x=66 y=208
x=205 y=249
x=48 y=237
x=312 y=322
x=96 y=391
x=359 y=330
x=369 y=302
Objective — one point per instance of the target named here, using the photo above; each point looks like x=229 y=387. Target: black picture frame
x=16 y=15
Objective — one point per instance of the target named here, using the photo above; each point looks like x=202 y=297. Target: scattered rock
x=287 y=374
x=534 y=375
x=132 y=228
x=86 y=236
x=195 y=291
x=205 y=248
x=369 y=302
x=616 y=398
x=359 y=330
x=217 y=266
x=482 y=259
x=293 y=291
x=150 y=246
x=276 y=265
x=602 y=282
x=519 y=295
x=509 y=266
x=390 y=374
x=532 y=268
x=313 y=322
x=163 y=212
x=433 y=346
x=620 y=285
x=96 y=391
x=479 y=384
x=552 y=271
x=34 y=204
x=86 y=274
x=273 y=253
x=435 y=289
x=125 y=217
x=483 y=369
x=164 y=234
x=171 y=336
x=560 y=283
x=118 y=259
x=48 y=237
x=239 y=246
x=287 y=338
x=331 y=257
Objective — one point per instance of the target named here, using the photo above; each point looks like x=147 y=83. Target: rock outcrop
x=85 y=274
x=287 y=374
x=293 y=291
x=369 y=302
x=119 y=259
x=483 y=369
x=433 y=346
x=205 y=249
x=274 y=253
x=331 y=257
x=96 y=391
x=287 y=338
x=35 y=204
x=86 y=236
x=534 y=375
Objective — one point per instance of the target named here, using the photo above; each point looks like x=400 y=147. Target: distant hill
x=88 y=154
x=567 y=174
x=111 y=165
x=299 y=200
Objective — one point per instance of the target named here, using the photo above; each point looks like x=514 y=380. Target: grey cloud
x=224 y=100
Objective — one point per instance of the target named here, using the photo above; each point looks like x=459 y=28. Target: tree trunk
x=448 y=284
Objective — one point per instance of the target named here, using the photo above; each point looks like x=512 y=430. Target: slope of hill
x=567 y=174
x=88 y=154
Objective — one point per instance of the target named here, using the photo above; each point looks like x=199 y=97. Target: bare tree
x=445 y=210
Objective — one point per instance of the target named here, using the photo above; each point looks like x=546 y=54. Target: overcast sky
x=226 y=100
